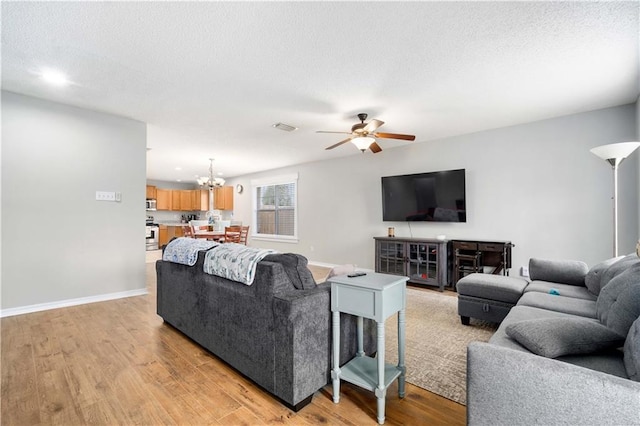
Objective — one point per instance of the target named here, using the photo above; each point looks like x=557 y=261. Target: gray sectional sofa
x=275 y=331
x=568 y=352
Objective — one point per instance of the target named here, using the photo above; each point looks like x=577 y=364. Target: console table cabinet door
x=424 y=261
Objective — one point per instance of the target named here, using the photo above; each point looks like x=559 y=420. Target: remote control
x=357 y=274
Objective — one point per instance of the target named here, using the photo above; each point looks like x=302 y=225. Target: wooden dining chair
x=187 y=231
x=244 y=233
x=232 y=234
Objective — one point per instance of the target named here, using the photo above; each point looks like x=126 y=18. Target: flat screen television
x=425 y=197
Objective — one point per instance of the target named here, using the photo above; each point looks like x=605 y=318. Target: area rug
x=436 y=342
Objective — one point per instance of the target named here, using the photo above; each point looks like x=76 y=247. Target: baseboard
x=71 y=302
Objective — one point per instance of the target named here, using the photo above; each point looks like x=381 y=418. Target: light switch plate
x=105 y=196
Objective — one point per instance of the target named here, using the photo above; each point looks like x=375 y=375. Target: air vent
x=284 y=127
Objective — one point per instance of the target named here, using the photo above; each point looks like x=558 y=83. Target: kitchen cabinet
x=151 y=192
x=203 y=200
x=186 y=200
x=223 y=198
x=175 y=200
x=163 y=236
x=163 y=199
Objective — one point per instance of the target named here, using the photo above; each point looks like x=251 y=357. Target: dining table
x=209 y=235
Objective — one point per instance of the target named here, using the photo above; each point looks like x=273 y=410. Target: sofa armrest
x=571 y=272
x=301 y=344
x=505 y=386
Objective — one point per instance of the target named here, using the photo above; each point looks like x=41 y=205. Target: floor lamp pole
x=615 y=208
x=614 y=154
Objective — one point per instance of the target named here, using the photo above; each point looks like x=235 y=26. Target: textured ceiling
x=211 y=78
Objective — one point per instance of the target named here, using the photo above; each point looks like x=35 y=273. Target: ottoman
x=488 y=297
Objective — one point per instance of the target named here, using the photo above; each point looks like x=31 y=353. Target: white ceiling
x=210 y=78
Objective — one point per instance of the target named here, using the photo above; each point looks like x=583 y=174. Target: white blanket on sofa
x=185 y=250
x=235 y=262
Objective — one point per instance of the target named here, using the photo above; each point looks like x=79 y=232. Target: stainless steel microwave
x=151 y=204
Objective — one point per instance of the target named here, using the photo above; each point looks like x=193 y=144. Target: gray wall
x=58 y=242
x=535 y=184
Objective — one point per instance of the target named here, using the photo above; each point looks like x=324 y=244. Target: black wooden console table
x=473 y=256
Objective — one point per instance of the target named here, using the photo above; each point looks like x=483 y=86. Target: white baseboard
x=70 y=302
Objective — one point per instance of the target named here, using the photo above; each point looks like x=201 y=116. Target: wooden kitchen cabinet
x=223 y=198
x=203 y=200
x=163 y=236
x=175 y=200
x=163 y=199
x=151 y=192
x=186 y=200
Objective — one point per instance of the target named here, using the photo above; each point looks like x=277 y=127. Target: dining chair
x=232 y=234
x=187 y=231
x=244 y=233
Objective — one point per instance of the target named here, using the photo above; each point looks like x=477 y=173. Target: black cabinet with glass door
x=424 y=261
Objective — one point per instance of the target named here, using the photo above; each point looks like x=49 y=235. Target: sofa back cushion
x=558 y=271
x=594 y=276
x=295 y=266
x=618 y=304
x=632 y=351
x=617 y=268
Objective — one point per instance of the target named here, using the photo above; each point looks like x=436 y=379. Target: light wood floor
x=117 y=363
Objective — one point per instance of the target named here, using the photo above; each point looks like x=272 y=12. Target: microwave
x=151 y=204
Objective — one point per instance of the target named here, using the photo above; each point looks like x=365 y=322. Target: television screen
x=425 y=197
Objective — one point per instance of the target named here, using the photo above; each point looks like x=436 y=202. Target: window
x=275 y=214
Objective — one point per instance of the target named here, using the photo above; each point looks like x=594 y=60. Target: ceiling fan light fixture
x=363 y=143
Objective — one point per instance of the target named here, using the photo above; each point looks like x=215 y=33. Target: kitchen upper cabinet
x=186 y=200
x=163 y=199
x=151 y=192
x=223 y=198
x=175 y=200
x=203 y=200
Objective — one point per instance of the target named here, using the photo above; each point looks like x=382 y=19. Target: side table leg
x=335 y=373
x=401 y=366
x=360 y=324
x=381 y=391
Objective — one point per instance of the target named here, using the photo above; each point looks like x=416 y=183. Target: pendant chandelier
x=211 y=181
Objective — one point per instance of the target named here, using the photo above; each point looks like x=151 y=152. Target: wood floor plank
x=117 y=362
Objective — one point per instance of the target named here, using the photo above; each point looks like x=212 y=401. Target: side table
x=377 y=297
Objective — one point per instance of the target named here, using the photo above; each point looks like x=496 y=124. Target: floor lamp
x=614 y=154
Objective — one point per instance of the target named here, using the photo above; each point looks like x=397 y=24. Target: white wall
x=535 y=184
x=58 y=242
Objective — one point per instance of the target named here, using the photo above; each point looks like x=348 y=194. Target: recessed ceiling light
x=54 y=77
x=178 y=180
x=178 y=168
x=285 y=127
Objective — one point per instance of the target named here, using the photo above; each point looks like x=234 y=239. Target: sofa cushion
x=618 y=304
x=295 y=266
x=559 y=271
x=632 y=351
x=554 y=337
x=569 y=305
x=567 y=290
x=594 y=276
x=617 y=268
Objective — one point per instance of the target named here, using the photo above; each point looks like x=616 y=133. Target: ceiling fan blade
x=338 y=144
x=373 y=125
x=395 y=136
x=325 y=131
x=375 y=148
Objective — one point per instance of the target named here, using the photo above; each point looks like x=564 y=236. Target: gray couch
x=567 y=353
x=276 y=331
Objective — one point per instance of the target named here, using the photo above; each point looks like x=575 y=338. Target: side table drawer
x=354 y=301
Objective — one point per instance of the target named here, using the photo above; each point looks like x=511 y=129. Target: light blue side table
x=377 y=297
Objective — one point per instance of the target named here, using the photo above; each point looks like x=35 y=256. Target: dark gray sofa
x=567 y=353
x=275 y=334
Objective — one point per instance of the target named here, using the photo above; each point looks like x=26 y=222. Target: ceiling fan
x=363 y=135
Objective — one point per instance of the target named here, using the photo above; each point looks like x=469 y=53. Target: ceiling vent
x=284 y=127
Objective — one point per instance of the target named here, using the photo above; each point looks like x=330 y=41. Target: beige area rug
x=436 y=342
